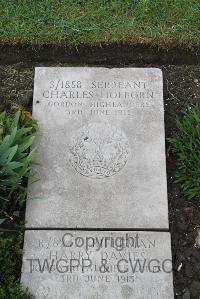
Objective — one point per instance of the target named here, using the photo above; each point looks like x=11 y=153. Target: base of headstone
x=72 y=264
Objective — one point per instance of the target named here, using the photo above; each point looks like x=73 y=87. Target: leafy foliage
x=186 y=145
x=17 y=134
x=10 y=261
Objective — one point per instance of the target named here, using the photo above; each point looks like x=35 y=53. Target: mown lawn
x=164 y=23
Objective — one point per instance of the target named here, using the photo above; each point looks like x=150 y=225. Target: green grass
x=186 y=145
x=165 y=23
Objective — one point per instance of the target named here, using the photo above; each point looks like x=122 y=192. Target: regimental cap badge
x=98 y=150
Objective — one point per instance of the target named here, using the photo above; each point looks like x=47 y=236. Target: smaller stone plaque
x=98 y=265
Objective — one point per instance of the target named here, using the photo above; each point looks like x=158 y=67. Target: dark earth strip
x=119 y=54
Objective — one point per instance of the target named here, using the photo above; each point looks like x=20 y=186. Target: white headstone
x=101 y=151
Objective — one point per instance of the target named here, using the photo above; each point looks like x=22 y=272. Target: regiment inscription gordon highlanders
x=99 y=150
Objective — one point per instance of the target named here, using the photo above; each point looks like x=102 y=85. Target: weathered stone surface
x=97 y=265
x=101 y=151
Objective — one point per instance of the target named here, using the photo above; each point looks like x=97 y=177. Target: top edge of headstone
x=158 y=70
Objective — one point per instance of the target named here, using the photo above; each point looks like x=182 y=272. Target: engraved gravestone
x=98 y=265
x=101 y=163
x=101 y=150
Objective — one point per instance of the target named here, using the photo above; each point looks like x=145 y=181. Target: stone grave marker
x=98 y=265
x=101 y=151
x=101 y=163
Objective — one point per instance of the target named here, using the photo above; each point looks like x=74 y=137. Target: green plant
x=14 y=291
x=186 y=145
x=17 y=133
x=10 y=269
